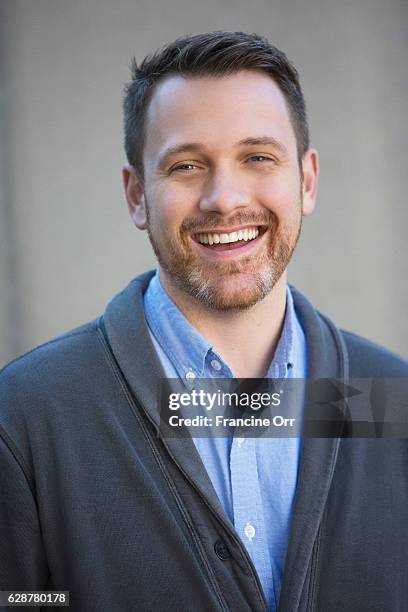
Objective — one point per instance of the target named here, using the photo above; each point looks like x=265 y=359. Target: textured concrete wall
x=67 y=243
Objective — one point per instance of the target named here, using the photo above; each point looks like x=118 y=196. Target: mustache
x=213 y=221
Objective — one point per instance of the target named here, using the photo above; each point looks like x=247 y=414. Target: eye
x=186 y=168
x=260 y=158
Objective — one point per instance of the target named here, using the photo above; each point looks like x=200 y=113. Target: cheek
x=280 y=197
x=171 y=206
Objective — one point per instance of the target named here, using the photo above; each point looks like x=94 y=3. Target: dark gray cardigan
x=94 y=501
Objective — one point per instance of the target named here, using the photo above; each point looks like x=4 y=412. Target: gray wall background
x=66 y=242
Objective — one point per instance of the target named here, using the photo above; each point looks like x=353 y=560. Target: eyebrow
x=265 y=141
x=197 y=146
x=177 y=149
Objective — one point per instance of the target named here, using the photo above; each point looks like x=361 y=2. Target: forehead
x=217 y=111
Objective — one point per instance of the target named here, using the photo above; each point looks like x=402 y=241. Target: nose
x=224 y=193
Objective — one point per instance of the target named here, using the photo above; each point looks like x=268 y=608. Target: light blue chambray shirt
x=254 y=478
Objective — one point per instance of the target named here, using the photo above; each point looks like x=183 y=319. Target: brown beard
x=209 y=283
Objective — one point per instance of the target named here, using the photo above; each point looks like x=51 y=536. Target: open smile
x=229 y=241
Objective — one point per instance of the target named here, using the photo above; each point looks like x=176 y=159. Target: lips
x=228 y=239
x=234 y=248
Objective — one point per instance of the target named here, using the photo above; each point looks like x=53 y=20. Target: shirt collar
x=183 y=344
x=284 y=357
x=187 y=349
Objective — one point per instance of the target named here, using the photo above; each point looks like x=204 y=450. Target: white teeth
x=246 y=234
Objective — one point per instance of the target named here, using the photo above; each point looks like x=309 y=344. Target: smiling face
x=222 y=197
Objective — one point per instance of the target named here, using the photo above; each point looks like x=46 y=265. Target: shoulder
x=366 y=358
x=54 y=387
x=53 y=364
x=60 y=345
x=83 y=354
x=327 y=344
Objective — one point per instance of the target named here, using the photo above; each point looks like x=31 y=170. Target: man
x=96 y=499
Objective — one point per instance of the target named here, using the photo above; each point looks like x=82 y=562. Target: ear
x=310 y=165
x=135 y=197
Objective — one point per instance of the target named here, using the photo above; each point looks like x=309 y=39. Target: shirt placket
x=247 y=508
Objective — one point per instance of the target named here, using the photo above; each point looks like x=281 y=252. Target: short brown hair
x=210 y=54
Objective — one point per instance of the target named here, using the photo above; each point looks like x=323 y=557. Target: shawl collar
x=130 y=342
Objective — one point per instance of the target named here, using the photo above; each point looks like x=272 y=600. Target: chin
x=236 y=292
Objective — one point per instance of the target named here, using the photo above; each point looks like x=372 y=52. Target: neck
x=246 y=340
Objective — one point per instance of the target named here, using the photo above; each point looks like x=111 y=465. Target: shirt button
x=216 y=365
x=190 y=375
x=249 y=531
x=221 y=550
x=240 y=440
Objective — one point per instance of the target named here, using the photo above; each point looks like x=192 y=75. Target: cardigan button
x=221 y=550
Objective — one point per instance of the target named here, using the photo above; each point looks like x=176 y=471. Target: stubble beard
x=222 y=285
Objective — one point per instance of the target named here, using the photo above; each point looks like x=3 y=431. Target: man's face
x=222 y=193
